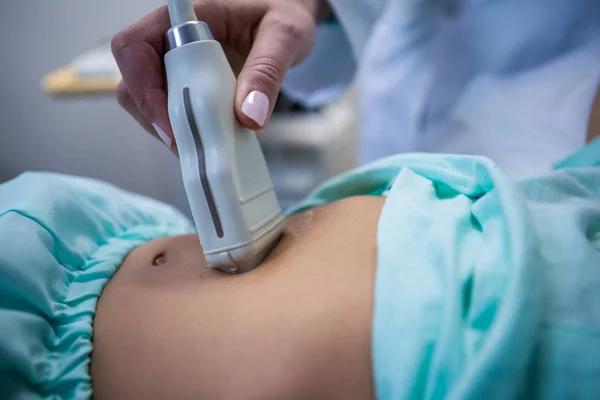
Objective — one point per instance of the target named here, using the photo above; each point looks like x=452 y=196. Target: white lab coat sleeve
x=325 y=74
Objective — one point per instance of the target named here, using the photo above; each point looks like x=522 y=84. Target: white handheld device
x=224 y=171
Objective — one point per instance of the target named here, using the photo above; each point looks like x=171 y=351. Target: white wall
x=83 y=136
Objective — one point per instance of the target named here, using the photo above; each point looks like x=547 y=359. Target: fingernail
x=164 y=136
x=256 y=107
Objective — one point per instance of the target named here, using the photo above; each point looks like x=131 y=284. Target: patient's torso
x=299 y=326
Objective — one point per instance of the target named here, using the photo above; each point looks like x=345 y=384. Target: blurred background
x=89 y=135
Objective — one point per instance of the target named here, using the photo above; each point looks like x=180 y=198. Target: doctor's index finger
x=139 y=51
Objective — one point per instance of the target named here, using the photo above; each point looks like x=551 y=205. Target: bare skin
x=298 y=327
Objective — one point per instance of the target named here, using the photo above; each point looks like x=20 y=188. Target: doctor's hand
x=262 y=40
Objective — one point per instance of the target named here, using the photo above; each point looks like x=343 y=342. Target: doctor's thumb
x=257 y=91
x=280 y=42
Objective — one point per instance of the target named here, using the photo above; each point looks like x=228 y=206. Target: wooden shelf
x=67 y=81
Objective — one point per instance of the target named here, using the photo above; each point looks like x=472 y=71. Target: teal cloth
x=589 y=156
x=61 y=239
x=486 y=288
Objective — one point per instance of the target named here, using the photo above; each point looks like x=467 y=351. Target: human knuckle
x=294 y=21
x=123 y=97
x=292 y=29
x=120 y=42
x=142 y=102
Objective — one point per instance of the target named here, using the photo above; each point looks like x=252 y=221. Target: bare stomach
x=298 y=327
